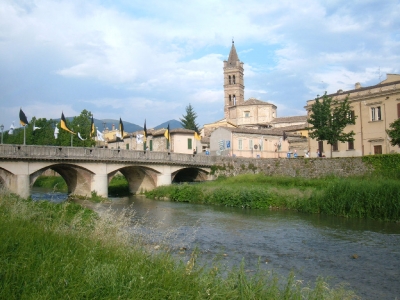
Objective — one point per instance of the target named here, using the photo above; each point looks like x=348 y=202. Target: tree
x=189 y=120
x=394 y=133
x=329 y=118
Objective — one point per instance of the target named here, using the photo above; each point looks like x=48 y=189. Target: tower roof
x=233 y=57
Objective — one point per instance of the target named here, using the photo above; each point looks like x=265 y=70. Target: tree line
x=44 y=134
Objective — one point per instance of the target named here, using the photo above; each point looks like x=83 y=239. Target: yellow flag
x=197 y=136
x=167 y=134
x=63 y=124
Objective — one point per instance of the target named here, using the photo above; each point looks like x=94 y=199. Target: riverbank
x=53 y=251
x=374 y=197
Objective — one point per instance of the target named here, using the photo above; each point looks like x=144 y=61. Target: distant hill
x=129 y=127
x=173 y=124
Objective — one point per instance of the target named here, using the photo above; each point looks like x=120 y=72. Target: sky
x=138 y=60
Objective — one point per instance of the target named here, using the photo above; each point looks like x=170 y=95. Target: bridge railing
x=81 y=153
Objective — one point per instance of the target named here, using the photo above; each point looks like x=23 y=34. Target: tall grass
x=371 y=197
x=63 y=251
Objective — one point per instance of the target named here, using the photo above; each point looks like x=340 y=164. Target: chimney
x=113 y=127
x=358 y=85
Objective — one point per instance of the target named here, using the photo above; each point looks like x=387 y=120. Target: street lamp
x=2 y=128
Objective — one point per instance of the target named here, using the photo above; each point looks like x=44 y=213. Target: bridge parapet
x=30 y=152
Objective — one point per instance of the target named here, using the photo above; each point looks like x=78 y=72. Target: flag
x=11 y=131
x=34 y=127
x=92 y=129
x=118 y=137
x=197 y=136
x=284 y=135
x=121 y=128
x=22 y=118
x=100 y=136
x=80 y=137
x=139 y=139
x=167 y=133
x=63 y=124
x=145 y=132
x=56 y=132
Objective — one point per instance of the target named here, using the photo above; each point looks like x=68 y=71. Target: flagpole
x=24 y=135
x=71 y=139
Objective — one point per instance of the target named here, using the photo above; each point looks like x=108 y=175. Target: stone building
x=247 y=121
x=375 y=107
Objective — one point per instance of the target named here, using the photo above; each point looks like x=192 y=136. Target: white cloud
x=150 y=59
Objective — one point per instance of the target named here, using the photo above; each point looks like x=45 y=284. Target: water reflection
x=282 y=241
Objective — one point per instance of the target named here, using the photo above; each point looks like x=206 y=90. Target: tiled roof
x=289 y=119
x=273 y=131
x=254 y=101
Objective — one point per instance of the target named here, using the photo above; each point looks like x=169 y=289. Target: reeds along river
x=364 y=254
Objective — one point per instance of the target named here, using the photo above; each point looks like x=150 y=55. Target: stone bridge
x=86 y=170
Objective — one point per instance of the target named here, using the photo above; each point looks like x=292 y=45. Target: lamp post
x=1 y=128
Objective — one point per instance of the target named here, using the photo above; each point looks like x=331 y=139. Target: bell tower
x=233 y=82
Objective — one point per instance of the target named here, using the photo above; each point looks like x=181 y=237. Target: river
x=363 y=254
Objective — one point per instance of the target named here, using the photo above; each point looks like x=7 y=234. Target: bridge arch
x=5 y=178
x=190 y=174
x=77 y=178
x=139 y=178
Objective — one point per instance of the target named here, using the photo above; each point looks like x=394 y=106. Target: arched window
x=230 y=82
x=234 y=81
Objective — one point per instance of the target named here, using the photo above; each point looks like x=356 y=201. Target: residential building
x=375 y=108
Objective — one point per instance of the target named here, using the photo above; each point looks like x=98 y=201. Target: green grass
x=374 y=197
x=63 y=251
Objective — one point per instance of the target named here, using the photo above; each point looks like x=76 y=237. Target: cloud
x=150 y=59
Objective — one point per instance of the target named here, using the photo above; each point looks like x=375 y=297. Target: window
x=230 y=82
x=230 y=100
x=234 y=80
x=234 y=100
x=335 y=146
x=398 y=110
x=376 y=113
x=151 y=145
x=247 y=114
x=378 y=149
x=250 y=144
x=350 y=145
x=240 y=145
x=127 y=146
x=189 y=143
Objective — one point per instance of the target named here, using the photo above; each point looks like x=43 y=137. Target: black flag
x=22 y=118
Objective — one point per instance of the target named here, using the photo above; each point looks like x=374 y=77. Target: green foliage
x=394 y=133
x=56 y=183
x=373 y=197
x=329 y=118
x=118 y=186
x=358 y=198
x=189 y=119
x=385 y=165
x=45 y=135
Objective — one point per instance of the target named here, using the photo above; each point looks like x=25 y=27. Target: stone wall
x=293 y=167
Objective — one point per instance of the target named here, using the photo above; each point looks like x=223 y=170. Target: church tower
x=233 y=83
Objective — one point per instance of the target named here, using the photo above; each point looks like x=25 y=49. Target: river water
x=363 y=254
